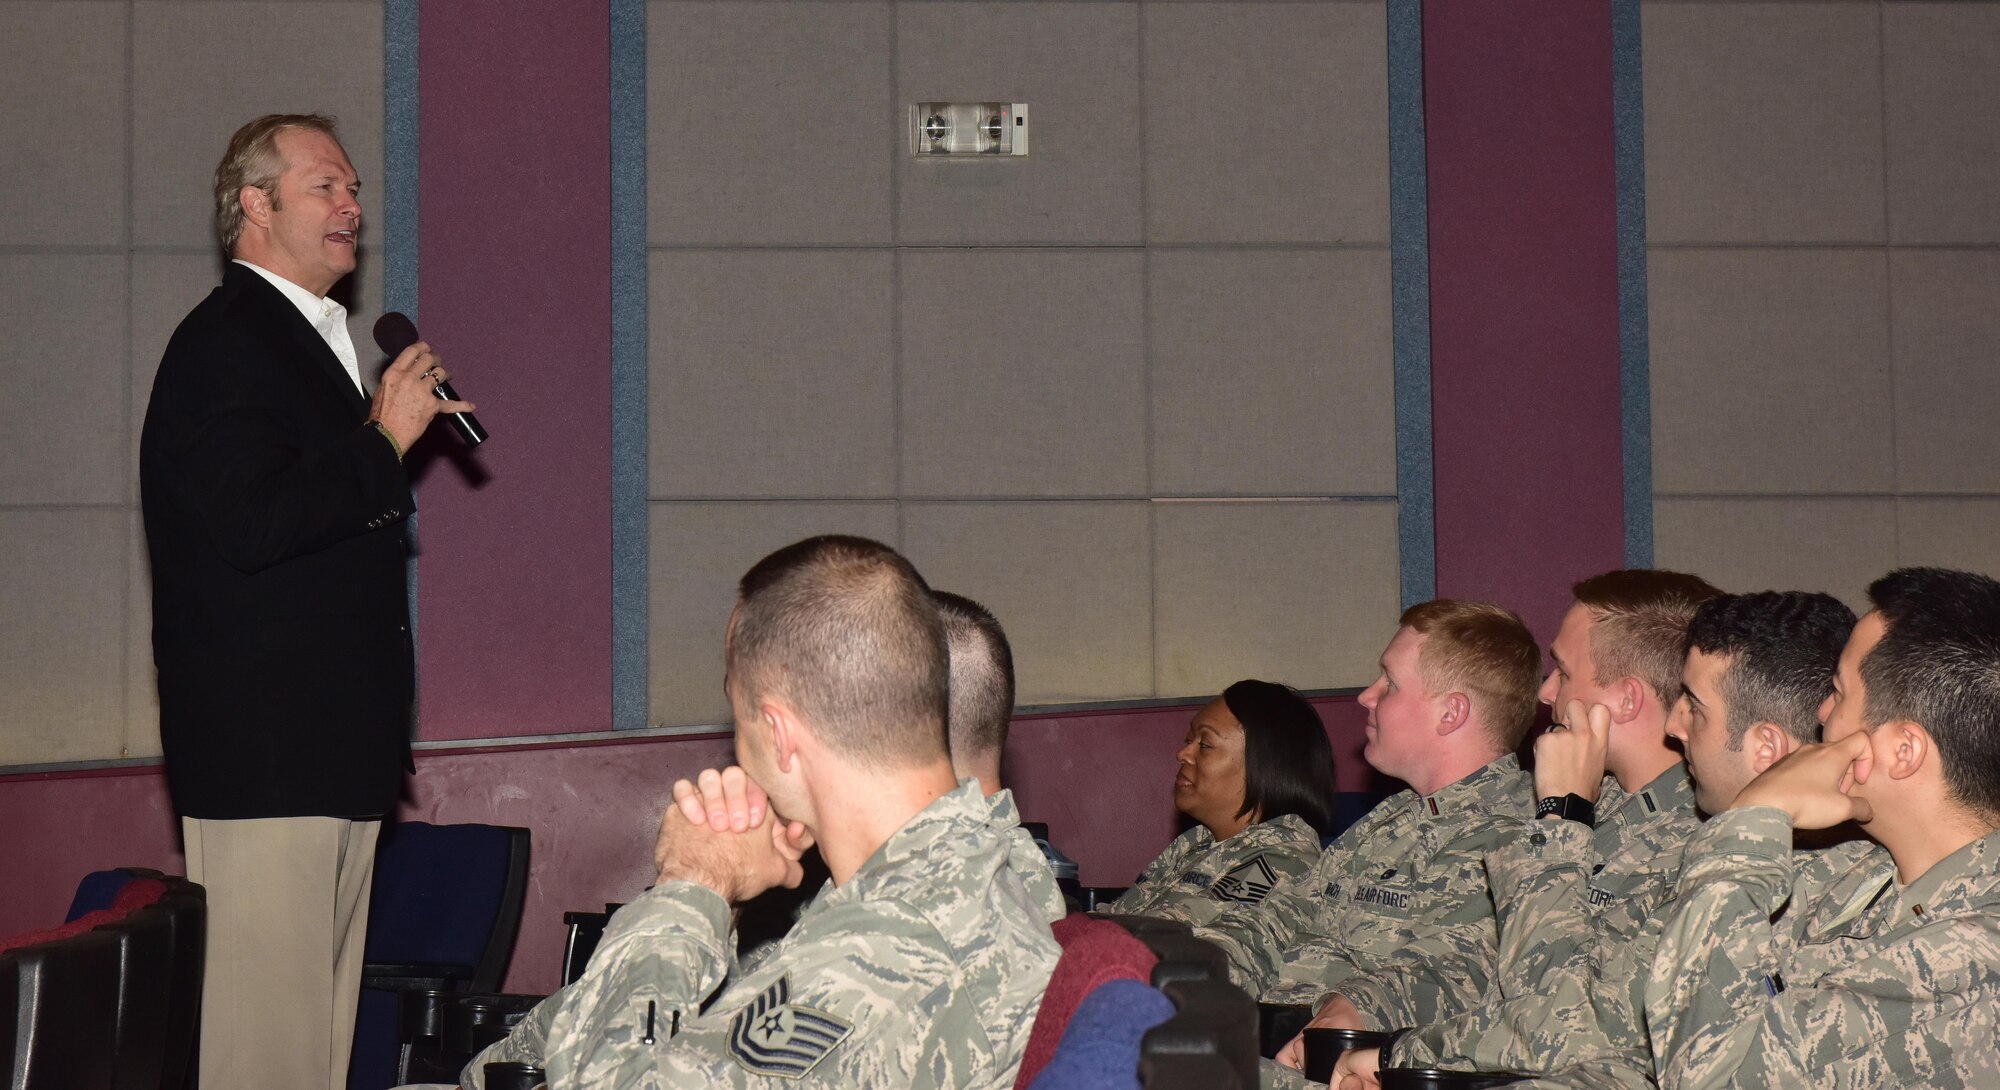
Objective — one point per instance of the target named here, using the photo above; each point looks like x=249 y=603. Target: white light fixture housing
x=968 y=130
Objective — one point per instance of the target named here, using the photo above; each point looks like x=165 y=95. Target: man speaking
x=274 y=496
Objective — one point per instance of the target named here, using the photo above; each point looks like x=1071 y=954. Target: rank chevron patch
x=773 y=1036
x=1249 y=881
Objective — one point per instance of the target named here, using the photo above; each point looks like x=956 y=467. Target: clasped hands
x=721 y=833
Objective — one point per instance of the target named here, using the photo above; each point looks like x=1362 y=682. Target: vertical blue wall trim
x=1410 y=283
x=629 y=622
x=1635 y=382
x=398 y=234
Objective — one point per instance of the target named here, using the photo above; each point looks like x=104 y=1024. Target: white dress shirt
x=326 y=316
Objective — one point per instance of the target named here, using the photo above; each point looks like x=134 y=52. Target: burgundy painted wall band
x=514 y=595
x=1526 y=398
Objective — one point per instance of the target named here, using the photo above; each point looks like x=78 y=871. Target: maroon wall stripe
x=594 y=809
x=1526 y=409
x=514 y=287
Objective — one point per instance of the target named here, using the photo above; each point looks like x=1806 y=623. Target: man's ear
x=1630 y=697
x=1767 y=743
x=256 y=205
x=1908 y=745
x=1457 y=712
x=783 y=726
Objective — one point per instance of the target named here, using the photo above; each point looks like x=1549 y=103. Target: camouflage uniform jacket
x=1198 y=875
x=1043 y=891
x=1579 y=917
x=1858 y=983
x=925 y=969
x=1406 y=881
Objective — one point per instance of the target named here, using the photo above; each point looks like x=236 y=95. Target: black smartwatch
x=1570 y=807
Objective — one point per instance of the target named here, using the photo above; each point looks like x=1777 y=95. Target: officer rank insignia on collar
x=1249 y=881
x=774 y=1036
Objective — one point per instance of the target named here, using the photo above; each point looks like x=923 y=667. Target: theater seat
x=1094 y=953
x=442 y=916
x=59 y=1013
x=1211 y=1041
x=159 y=923
x=1102 y=1046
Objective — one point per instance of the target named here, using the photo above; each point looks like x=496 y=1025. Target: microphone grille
x=394 y=332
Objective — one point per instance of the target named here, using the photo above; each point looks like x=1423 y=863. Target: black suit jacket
x=274 y=518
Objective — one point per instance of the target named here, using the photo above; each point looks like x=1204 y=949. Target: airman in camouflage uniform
x=923 y=962
x=1574 y=895
x=1198 y=876
x=925 y=968
x=1576 y=942
x=1780 y=971
x=1860 y=982
x=1405 y=882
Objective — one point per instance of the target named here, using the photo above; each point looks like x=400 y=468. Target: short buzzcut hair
x=1486 y=652
x=253 y=160
x=845 y=631
x=1938 y=665
x=982 y=676
x=1783 y=648
x=1639 y=625
x=1287 y=761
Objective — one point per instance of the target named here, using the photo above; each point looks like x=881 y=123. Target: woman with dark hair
x=1256 y=775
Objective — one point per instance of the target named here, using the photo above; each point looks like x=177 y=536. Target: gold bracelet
x=393 y=445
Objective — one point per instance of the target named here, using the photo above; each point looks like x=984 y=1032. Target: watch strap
x=1570 y=807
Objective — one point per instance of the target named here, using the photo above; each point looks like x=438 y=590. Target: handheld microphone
x=394 y=332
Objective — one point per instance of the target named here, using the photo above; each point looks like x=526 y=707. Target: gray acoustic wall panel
x=698 y=552
x=62 y=132
x=1076 y=65
x=768 y=122
x=1023 y=373
x=202 y=69
x=1291 y=592
x=62 y=645
x=1770 y=371
x=64 y=412
x=772 y=373
x=1763 y=122
x=1822 y=339
x=1832 y=544
x=1268 y=374
x=1006 y=365
x=1267 y=122
x=1951 y=532
x=1944 y=121
x=1071 y=583
x=1947 y=356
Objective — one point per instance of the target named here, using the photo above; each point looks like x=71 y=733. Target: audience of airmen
x=1757 y=849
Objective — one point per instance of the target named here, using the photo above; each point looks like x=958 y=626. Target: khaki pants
x=287 y=920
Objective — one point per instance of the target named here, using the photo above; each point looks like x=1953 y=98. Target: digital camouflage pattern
x=1198 y=875
x=924 y=969
x=1856 y=983
x=1041 y=881
x=1406 y=882
x=1579 y=917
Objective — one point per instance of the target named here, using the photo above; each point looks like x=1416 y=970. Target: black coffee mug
x=512 y=1075
x=1324 y=1047
x=1431 y=1078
